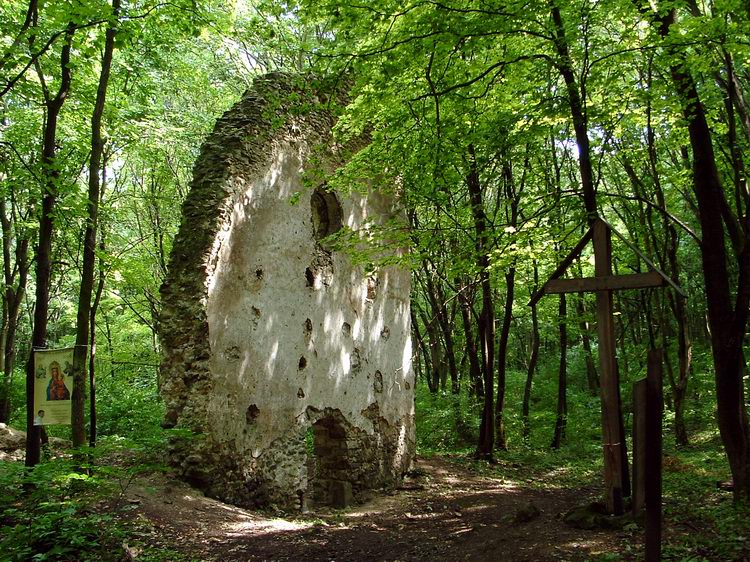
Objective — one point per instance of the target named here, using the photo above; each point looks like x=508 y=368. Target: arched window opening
x=327 y=214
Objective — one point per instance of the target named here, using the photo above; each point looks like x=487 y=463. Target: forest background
x=507 y=125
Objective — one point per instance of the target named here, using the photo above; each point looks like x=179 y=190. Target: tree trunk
x=80 y=354
x=512 y=196
x=676 y=302
x=728 y=323
x=13 y=295
x=421 y=343
x=532 y=361
x=436 y=357
x=92 y=349
x=487 y=316
x=592 y=378
x=502 y=358
x=475 y=368
x=684 y=354
x=44 y=248
x=437 y=300
x=616 y=461
x=562 y=377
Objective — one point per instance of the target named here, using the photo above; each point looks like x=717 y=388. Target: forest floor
x=448 y=509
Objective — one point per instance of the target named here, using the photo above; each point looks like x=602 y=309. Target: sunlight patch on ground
x=263 y=526
x=560 y=471
x=594 y=545
x=500 y=489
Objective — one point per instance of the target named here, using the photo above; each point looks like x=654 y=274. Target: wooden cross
x=616 y=478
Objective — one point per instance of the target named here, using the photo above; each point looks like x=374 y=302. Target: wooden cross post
x=616 y=477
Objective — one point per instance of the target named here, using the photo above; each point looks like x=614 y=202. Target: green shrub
x=50 y=513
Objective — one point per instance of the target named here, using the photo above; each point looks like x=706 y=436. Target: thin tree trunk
x=475 y=368
x=422 y=346
x=92 y=347
x=502 y=357
x=437 y=300
x=532 y=361
x=576 y=98
x=684 y=354
x=562 y=377
x=44 y=248
x=13 y=295
x=436 y=357
x=80 y=354
x=592 y=378
x=486 y=317
x=512 y=195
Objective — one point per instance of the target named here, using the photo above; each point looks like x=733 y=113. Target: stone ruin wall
x=290 y=365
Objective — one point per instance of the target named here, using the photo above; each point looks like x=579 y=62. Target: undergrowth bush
x=51 y=512
x=72 y=507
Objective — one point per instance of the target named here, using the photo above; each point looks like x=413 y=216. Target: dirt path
x=446 y=512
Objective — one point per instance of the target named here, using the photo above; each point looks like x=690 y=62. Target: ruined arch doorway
x=329 y=464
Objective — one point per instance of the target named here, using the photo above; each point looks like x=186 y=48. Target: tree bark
x=16 y=278
x=728 y=322
x=475 y=368
x=487 y=316
x=562 y=377
x=80 y=354
x=533 y=359
x=592 y=378
x=422 y=346
x=51 y=177
x=502 y=358
x=611 y=400
x=92 y=346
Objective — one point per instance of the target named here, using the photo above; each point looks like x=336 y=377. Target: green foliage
x=72 y=507
x=51 y=513
x=703 y=521
x=129 y=404
x=439 y=89
x=436 y=422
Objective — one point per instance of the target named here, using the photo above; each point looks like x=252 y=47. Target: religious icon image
x=53 y=386
x=56 y=389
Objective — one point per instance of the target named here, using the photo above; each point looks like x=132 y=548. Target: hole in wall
x=356 y=360
x=300 y=393
x=302 y=363
x=346 y=329
x=378 y=383
x=309 y=277
x=259 y=274
x=252 y=413
x=327 y=214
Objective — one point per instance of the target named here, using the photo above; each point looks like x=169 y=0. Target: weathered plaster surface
x=291 y=365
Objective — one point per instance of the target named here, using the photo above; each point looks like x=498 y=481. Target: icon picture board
x=53 y=386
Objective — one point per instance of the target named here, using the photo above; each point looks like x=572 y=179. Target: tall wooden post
x=615 y=472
